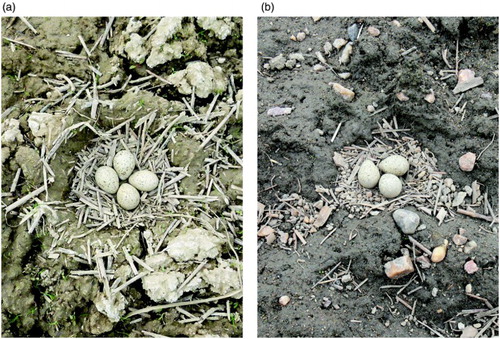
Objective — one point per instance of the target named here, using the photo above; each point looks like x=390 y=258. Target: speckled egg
x=107 y=179
x=368 y=174
x=394 y=164
x=128 y=197
x=389 y=185
x=124 y=164
x=144 y=180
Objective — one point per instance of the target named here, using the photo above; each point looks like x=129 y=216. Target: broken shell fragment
x=439 y=252
x=345 y=93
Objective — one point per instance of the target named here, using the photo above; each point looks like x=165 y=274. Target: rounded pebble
x=467 y=162
x=107 y=179
x=394 y=164
x=124 y=164
x=284 y=300
x=389 y=185
x=407 y=220
x=368 y=174
x=144 y=180
x=128 y=197
x=469 y=332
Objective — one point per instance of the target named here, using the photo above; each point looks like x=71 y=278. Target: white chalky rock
x=113 y=307
x=128 y=197
x=163 y=286
x=11 y=134
x=194 y=243
x=144 y=180
x=222 y=280
x=389 y=185
x=107 y=179
x=394 y=164
x=124 y=164
x=368 y=174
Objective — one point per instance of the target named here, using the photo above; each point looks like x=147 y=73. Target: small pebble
x=345 y=93
x=402 y=97
x=319 y=68
x=328 y=48
x=373 y=31
x=345 y=56
x=468 y=288
x=407 y=220
x=370 y=108
x=434 y=292
x=470 y=246
x=265 y=231
x=467 y=161
x=439 y=252
x=352 y=32
x=339 y=43
x=284 y=300
x=459 y=239
x=470 y=267
x=430 y=98
x=399 y=267
x=301 y=36
x=469 y=332
x=424 y=261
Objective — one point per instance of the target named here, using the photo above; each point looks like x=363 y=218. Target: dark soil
x=299 y=145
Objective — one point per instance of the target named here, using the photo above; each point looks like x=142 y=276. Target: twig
x=480 y=154
x=404 y=303
x=428 y=23
x=184 y=303
x=419 y=245
x=219 y=126
x=23 y=19
x=477 y=215
x=360 y=284
x=24 y=199
x=408 y=51
x=430 y=328
x=328 y=236
x=336 y=132
x=19 y=43
x=82 y=41
x=326 y=275
x=106 y=31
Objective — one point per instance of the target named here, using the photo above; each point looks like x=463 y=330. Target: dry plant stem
x=419 y=245
x=24 y=199
x=326 y=275
x=491 y=142
x=184 y=303
x=106 y=32
x=477 y=215
x=336 y=132
x=430 y=328
x=19 y=43
x=23 y=19
x=219 y=126
x=429 y=24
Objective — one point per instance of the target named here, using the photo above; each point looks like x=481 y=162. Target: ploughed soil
x=295 y=155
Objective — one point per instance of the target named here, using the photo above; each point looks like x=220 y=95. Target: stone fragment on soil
x=339 y=43
x=345 y=56
x=459 y=199
x=278 y=62
x=323 y=216
x=471 y=267
x=270 y=238
x=135 y=48
x=352 y=32
x=11 y=134
x=345 y=93
x=339 y=160
x=399 y=267
x=459 y=239
x=194 y=243
x=113 y=307
x=265 y=231
x=430 y=98
x=466 y=81
x=284 y=300
x=470 y=246
x=423 y=261
x=202 y=77
x=407 y=220
x=402 y=97
x=300 y=36
x=469 y=332
x=163 y=286
x=373 y=31
x=277 y=111
x=221 y=27
x=29 y=161
x=467 y=161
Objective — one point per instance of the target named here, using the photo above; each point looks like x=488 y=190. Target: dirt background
x=39 y=298
x=299 y=145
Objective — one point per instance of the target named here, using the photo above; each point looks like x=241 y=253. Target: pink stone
x=399 y=267
x=470 y=267
x=465 y=75
x=467 y=162
x=459 y=239
x=373 y=31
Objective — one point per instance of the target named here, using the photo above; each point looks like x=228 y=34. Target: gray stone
x=406 y=220
x=113 y=307
x=470 y=246
x=277 y=62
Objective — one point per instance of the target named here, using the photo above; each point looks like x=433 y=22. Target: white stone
x=135 y=49
x=389 y=185
x=128 y=197
x=368 y=174
x=163 y=286
x=124 y=164
x=144 y=180
x=394 y=164
x=221 y=27
x=113 y=307
x=202 y=77
x=194 y=243
x=107 y=179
